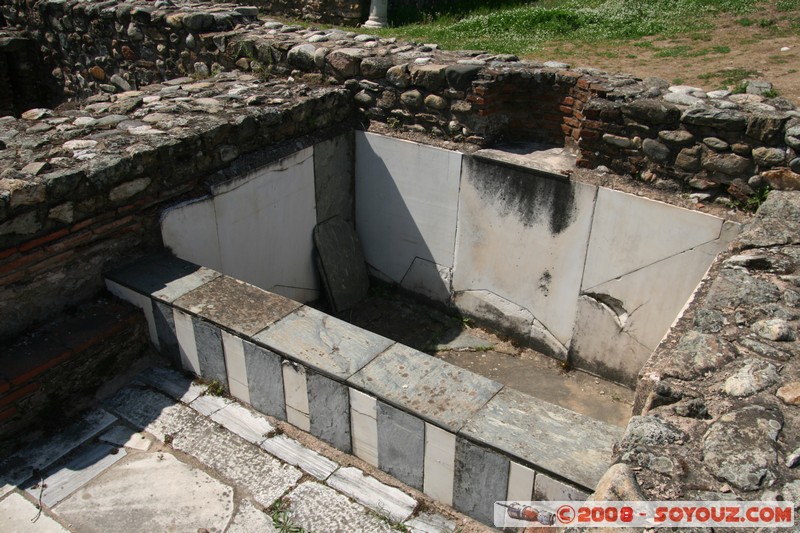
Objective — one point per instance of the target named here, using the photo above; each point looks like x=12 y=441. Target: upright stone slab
x=438 y=392
x=265 y=380
x=341 y=263
x=334 y=188
x=329 y=408
x=481 y=478
x=401 y=445
x=326 y=344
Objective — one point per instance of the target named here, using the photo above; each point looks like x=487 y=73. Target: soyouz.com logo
x=644 y=514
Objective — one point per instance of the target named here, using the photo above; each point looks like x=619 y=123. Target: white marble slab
x=296 y=454
x=141 y=301
x=184 y=331
x=236 y=366
x=523 y=237
x=440 y=457
x=172 y=383
x=208 y=404
x=368 y=491
x=295 y=387
x=520 y=483
x=364 y=426
x=406 y=203
x=258 y=214
x=189 y=230
x=85 y=466
x=630 y=232
x=250 y=425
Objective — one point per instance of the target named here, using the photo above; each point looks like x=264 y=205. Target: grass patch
x=729 y=76
x=521 y=28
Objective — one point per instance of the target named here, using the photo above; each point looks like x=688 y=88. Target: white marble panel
x=654 y=295
x=184 y=331
x=523 y=237
x=364 y=426
x=406 y=203
x=190 y=231
x=440 y=458
x=265 y=222
x=520 y=483
x=630 y=232
x=549 y=489
x=139 y=300
x=295 y=388
x=236 y=367
x=428 y=279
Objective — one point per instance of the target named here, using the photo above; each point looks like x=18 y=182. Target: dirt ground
x=752 y=42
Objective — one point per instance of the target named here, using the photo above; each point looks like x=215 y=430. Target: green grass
x=727 y=77
x=523 y=27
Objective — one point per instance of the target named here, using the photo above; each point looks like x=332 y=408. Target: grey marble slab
x=323 y=342
x=236 y=305
x=434 y=390
x=550 y=437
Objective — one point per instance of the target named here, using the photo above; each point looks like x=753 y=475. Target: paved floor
x=164 y=454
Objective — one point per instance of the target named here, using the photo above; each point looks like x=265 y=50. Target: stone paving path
x=164 y=454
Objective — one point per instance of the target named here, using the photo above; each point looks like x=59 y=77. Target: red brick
x=13 y=396
x=51 y=261
x=22 y=261
x=46 y=365
x=42 y=240
x=13 y=277
x=4 y=386
x=8 y=252
x=73 y=241
x=8 y=413
x=573 y=122
x=576 y=133
x=568 y=100
x=105 y=228
x=83 y=224
x=583 y=83
x=566 y=130
x=590 y=134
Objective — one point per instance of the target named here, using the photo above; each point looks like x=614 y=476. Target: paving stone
x=571 y=445
x=383 y=499
x=208 y=404
x=265 y=380
x=172 y=383
x=153 y=412
x=329 y=409
x=124 y=436
x=248 y=519
x=209 y=351
x=323 y=342
x=430 y=523
x=17 y=513
x=237 y=305
x=315 y=507
x=62 y=481
x=481 y=478
x=436 y=391
x=341 y=261
x=547 y=488
x=294 y=453
x=164 y=277
x=401 y=445
x=20 y=466
x=150 y=492
x=248 y=424
x=240 y=462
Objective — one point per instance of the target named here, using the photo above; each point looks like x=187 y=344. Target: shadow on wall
x=406 y=210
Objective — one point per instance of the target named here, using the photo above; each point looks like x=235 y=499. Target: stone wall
x=716 y=144
x=341 y=12
x=23 y=78
x=83 y=189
